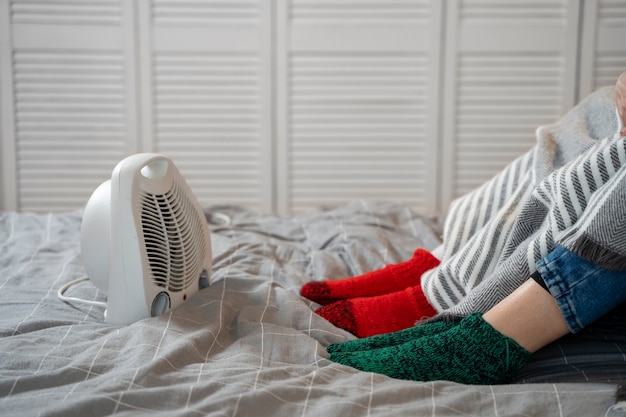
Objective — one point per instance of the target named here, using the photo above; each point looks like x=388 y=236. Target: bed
x=248 y=345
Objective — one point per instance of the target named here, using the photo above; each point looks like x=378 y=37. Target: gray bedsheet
x=248 y=345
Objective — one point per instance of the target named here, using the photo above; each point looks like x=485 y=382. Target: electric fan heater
x=145 y=240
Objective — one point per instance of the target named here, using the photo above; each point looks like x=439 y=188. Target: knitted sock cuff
x=426 y=310
x=484 y=341
x=409 y=272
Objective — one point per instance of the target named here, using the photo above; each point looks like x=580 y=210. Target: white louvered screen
x=285 y=105
x=210 y=96
x=510 y=68
x=603 y=46
x=359 y=86
x=70 y=118
x=70 y=99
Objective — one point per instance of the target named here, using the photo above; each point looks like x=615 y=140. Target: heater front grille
x=173 y=238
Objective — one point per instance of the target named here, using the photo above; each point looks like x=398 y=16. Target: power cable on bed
x=63 y=297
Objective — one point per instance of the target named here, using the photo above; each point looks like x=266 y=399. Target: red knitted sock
x=387 y=313
x=389 y=279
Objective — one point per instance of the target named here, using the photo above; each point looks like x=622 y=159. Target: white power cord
x=218 y=221
x=63 y=297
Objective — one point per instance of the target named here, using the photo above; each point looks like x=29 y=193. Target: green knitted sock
x=391 y=339
x=473 y=352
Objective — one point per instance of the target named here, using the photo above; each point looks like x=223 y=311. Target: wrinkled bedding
x=248 y=345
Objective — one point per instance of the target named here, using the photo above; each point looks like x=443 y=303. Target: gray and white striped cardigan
x=549 y=196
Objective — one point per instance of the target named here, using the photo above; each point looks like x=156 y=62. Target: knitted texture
x=392 y=339
x=472 y=352
x=495 y=235
x=369 y=316
x=386 y=280
x=598 y=236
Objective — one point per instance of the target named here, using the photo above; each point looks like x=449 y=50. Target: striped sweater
x=494 y=236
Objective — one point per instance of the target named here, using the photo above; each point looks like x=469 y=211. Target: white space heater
x=145 y=240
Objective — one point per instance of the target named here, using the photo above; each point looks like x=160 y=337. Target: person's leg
x=486 y=349
x=532 y=330
x=477 y=278
x=530 y=316
x=472 y=240
x=577 y=182
x=493 y=347
x=586 y=277
x=465 y=218
x=472 y=352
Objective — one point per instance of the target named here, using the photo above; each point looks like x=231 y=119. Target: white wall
x=284 y=105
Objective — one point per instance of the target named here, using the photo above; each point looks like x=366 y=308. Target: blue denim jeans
x=583 y=291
